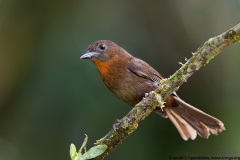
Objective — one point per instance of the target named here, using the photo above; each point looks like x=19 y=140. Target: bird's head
x=101 y=50
x=105 y=54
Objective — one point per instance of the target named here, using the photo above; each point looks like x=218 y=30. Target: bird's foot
x=162 y=107
x=146 y=94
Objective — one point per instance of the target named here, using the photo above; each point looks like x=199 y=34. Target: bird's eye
x=102 y=47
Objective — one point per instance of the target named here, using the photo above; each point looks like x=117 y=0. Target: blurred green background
x=50 y=99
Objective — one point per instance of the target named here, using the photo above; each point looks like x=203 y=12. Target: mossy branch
x=203 y=55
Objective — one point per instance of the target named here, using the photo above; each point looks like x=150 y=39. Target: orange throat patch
x=103 y=67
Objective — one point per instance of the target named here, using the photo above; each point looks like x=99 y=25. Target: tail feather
x=186 y=131
x=205 y=118
x=191 y=121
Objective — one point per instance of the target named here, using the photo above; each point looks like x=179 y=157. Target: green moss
x=132 y=127
x=236 y=38
x=232 y=35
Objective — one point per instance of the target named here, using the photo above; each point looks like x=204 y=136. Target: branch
x=203 y=55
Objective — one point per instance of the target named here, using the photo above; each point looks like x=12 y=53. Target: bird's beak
x=88 y=55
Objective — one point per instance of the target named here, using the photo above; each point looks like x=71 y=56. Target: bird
x=131 y=78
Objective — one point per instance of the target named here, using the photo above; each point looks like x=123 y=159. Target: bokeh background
x=50 y=99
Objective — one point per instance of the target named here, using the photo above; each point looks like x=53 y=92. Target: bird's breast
x=127 y=86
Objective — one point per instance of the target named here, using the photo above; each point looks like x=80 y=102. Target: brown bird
x=130 y=78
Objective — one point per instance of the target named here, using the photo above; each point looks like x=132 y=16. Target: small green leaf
x=91 y=153
x=81 y=158
x=95 y=151
x=73 y=152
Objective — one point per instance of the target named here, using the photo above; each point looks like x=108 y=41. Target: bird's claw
x=146 y=94
x=162 y=107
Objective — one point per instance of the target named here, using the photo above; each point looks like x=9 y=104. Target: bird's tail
x=191 y=121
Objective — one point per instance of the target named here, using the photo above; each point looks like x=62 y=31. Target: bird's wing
x=142 y=69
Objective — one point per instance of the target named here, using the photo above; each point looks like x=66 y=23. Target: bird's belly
x=130 y=88
x=133 y=92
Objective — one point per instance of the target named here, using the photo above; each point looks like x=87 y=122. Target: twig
x=201 y=57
